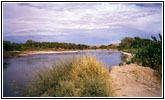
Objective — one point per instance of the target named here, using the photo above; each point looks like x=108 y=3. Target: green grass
x=8 y=54
x=80 y=77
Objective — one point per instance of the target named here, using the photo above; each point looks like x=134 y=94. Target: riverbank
x=126 y=53
x=44 y=52
x=128 y=58
x=134 y=81
x=10 y=54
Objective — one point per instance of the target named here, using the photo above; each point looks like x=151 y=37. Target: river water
x=18 y=70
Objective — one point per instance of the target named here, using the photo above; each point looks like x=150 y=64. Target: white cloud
x=53 y=18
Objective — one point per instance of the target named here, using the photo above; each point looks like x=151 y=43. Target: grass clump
x=80 y=77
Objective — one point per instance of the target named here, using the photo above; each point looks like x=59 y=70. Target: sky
x=80 y=23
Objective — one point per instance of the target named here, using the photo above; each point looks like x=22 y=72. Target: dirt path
x=134 y=81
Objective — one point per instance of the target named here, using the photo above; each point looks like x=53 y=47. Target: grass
x=8 y=54
x=80 y=77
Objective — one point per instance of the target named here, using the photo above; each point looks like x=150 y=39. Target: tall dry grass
x=80 y=77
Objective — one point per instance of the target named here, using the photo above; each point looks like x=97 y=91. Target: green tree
x=30 y=42
x=7 y=46
x=103 y=47
x=126 y=42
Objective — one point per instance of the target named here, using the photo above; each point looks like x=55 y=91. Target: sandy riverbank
x=126 y=53
x=134 y=81
x=26 y=53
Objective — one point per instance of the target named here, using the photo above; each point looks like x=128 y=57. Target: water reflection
x=5 y=64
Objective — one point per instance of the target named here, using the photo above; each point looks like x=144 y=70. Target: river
x=18 y=70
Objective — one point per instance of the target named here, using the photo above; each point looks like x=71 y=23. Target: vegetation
x=128 y=62
x=79 y=77
x=8 y=54
x=13 y=49
x=146 y=52
x=110 y=46
x=132 y=45
x=32 y=45
x=7 y=46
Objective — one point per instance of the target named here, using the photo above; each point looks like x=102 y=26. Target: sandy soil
x=126 y=53
x=26 y=53
x=134 y=81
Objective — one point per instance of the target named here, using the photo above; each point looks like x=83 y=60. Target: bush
x=128 y=62
x=121 y=64
x=150 y=55
x=80 y=77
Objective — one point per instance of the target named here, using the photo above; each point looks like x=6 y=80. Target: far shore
x=31 y=52
x=26 y=53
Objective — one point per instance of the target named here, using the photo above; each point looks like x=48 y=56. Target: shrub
x=80 y=77
x=121 y=64
x=150 y=55
x=128 y=62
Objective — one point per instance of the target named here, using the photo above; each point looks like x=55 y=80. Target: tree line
x=33 y=45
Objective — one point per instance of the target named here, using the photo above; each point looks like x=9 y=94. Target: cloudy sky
x=85 y=23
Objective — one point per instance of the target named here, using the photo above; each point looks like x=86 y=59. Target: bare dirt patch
x=134 y=81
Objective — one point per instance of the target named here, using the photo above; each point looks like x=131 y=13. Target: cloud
x=38 y=19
